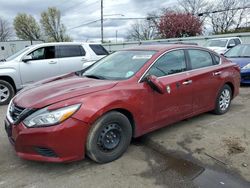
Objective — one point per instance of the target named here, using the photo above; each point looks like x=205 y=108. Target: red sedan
x=129 y=93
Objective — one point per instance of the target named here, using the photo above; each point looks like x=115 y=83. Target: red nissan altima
x=96 y=111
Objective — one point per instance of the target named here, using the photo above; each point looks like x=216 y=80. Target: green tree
x=26 y=27
x=54 y=30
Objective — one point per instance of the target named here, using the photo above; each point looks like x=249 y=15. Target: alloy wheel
x=4 y=93
x=225 y=99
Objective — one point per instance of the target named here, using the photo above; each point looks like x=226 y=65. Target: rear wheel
x=6 y=92
x=223 y=101
x=109 y=137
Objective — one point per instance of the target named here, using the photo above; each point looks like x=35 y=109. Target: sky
x=79 y=12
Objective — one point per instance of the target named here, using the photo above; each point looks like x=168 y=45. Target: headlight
x=44 y=117
x=246 y=66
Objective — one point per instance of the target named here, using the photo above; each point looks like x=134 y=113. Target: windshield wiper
x=95 y=76
x=2 y=60
x=237 y=56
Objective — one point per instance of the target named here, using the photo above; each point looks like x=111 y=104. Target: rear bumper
x=61 y=143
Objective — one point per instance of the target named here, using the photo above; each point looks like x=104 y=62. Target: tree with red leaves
x=177 y=24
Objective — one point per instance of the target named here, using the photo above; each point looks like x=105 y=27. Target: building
x=8 y=48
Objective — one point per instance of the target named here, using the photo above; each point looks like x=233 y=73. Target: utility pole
x=102 y=21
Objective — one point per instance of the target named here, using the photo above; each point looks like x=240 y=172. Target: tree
x=141 y=30
x=229 y=16
x=52 y=26
x=175 y=24
x=144 y=29
x=26 y=27
x=195 y=7
x=5 y=30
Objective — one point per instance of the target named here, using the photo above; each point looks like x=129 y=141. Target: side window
x=98 y=49
x=170 y=63
x=43 y=53
x=71 y=51
x=216 y=59
x=200 y=58
x=231 y=42
x=237 y=41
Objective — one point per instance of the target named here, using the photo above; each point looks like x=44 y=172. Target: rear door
x=44 y=64
x=176 y=102
x=71 y=58
x=206 y=78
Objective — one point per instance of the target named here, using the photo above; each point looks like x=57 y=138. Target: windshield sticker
x=141 y=56
x=129 y=73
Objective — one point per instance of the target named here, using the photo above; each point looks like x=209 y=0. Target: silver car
x=42 y=61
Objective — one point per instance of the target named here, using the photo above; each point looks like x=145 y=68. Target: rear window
x=98 y=49
x=71 y=51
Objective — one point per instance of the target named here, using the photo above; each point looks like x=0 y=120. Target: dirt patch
x=234 y=146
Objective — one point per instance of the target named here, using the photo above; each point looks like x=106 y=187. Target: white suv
x=221 y=45
x=42 y=61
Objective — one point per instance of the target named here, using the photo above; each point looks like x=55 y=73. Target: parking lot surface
x=204 y=151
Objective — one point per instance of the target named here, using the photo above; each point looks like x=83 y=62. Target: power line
x=105 y=19
x=217 y=11
x=77 y=5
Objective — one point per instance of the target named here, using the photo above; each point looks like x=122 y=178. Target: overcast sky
x=77 y=12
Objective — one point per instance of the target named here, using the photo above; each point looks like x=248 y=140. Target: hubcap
x=110 y=137
x=225 y=99
x=4 y=93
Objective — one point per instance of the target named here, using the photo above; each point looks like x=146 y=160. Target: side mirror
x=231 y=45
x=27 y=58
x=155 y=84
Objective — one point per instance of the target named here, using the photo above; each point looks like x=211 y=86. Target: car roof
x=225 y=38
x=161 y=47
x=63 y=43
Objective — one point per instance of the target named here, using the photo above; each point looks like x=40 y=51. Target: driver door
x=176 y=103
x=43 y=64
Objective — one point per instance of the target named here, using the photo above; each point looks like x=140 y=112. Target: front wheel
x=109 y=137
x=6 y=92
x=223 y=100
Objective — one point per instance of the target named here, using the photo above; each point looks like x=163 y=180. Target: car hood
x=57 y=89
x=240 y=61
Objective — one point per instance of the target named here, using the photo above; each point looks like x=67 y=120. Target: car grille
x=46 y=152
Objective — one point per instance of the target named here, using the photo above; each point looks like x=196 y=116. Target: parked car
x=129 y=93
x=241 y=55
x=42 y=61
x=221 y=45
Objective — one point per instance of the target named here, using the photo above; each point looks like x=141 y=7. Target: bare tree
x=141 y=30
x=144 y=29
x=196 y=7
x=5 y=30
x=229 y=16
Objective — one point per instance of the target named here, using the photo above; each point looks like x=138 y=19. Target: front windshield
x=216 y=43
x=119 y=65
x=17 y=54
x=239 y=51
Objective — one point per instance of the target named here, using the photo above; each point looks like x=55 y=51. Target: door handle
x=52 y=62
x=217 y=73
x=187 y=82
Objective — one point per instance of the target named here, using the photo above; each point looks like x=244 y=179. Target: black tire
x=99 y=147
x=8 y=90
x=225 y=91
